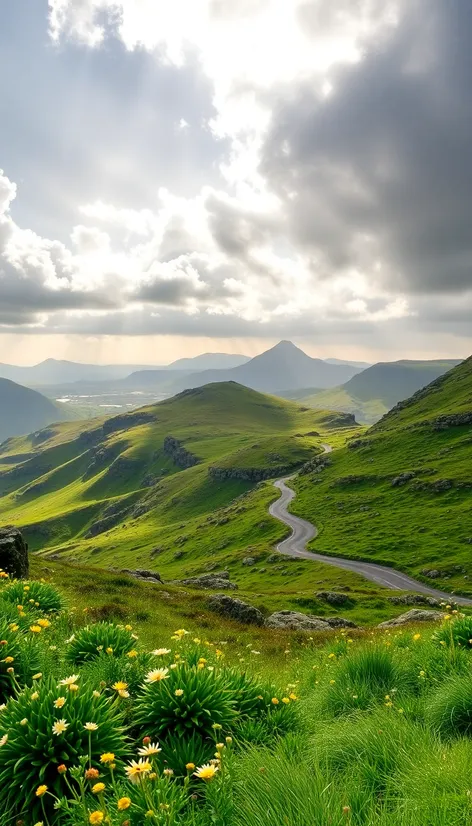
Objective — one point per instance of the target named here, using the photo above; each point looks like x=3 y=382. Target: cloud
x=378 y=175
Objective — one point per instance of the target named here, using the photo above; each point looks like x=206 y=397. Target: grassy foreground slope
x=372 y=393
x=402 y=493
x=177 y=480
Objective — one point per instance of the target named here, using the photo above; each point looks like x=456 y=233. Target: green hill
x=401 y=494
x=160 y=481
x=23 y=410
x=372 y=393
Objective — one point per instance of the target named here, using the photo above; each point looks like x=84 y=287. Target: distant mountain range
x=54 y=372
x=284 y=366
x=373 y=392
x=23 y=410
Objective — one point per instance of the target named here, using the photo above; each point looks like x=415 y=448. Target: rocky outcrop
x=358 y=443
x=403 y=478
x=235 y=609
x=126 y=420
x=294 y=621
x=333 y=598
x=454 y=420
x=140 y=573
x=13 y=553
x=222 y=474
x=180 y=456
x=415 y=615
x=248 y=561
x=210 y=582
x=416 y=599
x=315 y=465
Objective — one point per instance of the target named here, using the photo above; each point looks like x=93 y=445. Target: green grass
x=296 y=749
x=414 y=526
x=58 y=488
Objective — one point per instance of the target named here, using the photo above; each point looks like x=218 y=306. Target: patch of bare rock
x=415 y=615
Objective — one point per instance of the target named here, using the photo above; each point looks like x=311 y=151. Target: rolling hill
x=23 y=410
x=209 y=361
x=284 y=366
x=373 y=392
x=401 y=494
x=163 y=480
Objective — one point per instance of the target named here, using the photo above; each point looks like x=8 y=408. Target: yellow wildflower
x=206 y=772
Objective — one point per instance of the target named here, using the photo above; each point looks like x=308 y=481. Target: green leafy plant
x=44 y=728
x=177 y=752
x=102 y=637
x=39 y=596
x=449 y=710
x=184 y=699
x=458 y=632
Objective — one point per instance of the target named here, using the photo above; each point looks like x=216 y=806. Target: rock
x=294 y=621
x=338 y=622
x=236 y=609
x=415 y=615
x=13 y=552
x=210 y=582
x=180 y=456
x=249 y=560
x=402 y=479
x=431 y=574
x=333 y=598
x=140 y=573
x=273 y=558
x=179 y=555
x=415 y=599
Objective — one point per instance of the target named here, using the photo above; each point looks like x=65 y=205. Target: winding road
x=303 y=532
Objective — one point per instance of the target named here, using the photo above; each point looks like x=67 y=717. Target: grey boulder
x=235 y=609
x=13 y=552
x=295 y=621
x=415 y=615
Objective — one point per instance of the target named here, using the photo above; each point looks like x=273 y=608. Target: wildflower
x=92 y=774
x=108 y=757
x=96 y=817
x=190 y=767
x=60 y=702
x=43 y=623
x=3 y=740
x=14 y=626
x=132 y=653
x=109 y=650
x=123 y=803
x=73 y=687
x=293 y=696
x=120 y=686
x=95 y=694
x=217 y=726
x=69 y=680
x=8 y=660
x=98 y=787
x=161 y=652
x=178 y=692
x=206 y=772
x=128 y=627
x=157 y=675
x=229 y=740
x=332 y=682
x=274 y=701
x=331 y=656
x=24 y=722
x=41 y=790
x=286 y=700
x=180 y=633
x=62 y=769
x=136 y=770
x=10 y=670
x=416 y=637
x=34 y=695
x=59 y=727
x=91 y=726
x=36 y=629
x=37 y=676
x=147 y=751
x=168 y=772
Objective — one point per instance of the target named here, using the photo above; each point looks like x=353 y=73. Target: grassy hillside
x=421 y=521
x=372 y=393
x=23 y=410
x=175 y=484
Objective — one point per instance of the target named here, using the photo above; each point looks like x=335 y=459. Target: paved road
x=303 y=532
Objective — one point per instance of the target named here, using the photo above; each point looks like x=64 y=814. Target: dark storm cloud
x=381 y=171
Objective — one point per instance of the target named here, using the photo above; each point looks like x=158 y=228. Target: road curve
x=303 y=532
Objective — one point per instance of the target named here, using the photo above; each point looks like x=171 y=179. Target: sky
x=217 y=175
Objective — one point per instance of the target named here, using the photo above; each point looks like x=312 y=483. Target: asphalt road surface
x=303 y=532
